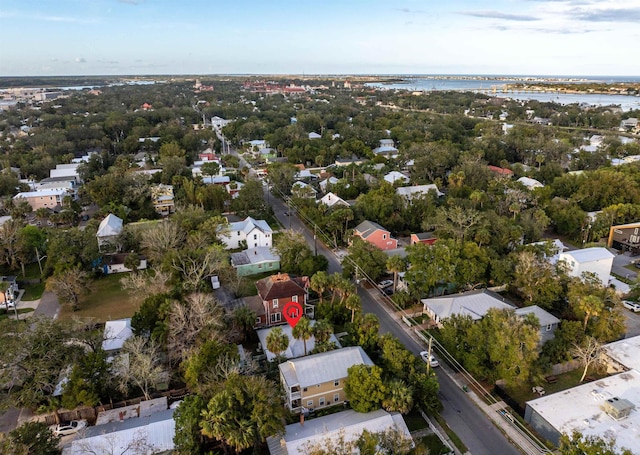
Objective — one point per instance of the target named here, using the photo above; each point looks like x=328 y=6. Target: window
x=255 y=236
x=384 y=236
x=238 y=232
x=304 y=390
x=257 y=320
x=259 y=266
x=275 y=303
x=336 y=383
x=309 y=403
x=275 y=317
x=294 y=298
x=318 y=385
x=336 y=397
x=549 y=327
x=321 y=401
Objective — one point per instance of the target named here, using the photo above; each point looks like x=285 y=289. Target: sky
x=149 y=37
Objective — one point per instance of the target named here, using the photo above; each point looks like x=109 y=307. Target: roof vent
x=618 y=408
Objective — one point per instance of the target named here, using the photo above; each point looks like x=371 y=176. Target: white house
x=475 y=304
x=409 y=192
x=530 y=183
x=109 y=230
x=254 y=233
x=219 y=122
x=314 y=135
x=596 y=260
x=395 y=176
x=149 y=434
x=298 y=437
x=303 y=190
x=331 y=199
x=326 y=182
x=116 y=333
x=296 y=346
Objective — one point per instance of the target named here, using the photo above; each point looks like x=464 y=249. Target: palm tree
x=353 y=303
x=277 y=341
x=319 y=283
x=592 y=306
x=322 y=331
x=303 y=331
x=244 y=318
x=396 y=264
x=399 y=397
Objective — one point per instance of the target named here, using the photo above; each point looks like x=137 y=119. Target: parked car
x=429 y=358
x=388 y=291
x=66 y=428
x=385 y=284
x=633 y=306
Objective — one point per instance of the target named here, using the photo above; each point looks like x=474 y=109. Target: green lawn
x=5 y=315
x=415 y=421
x=107 y=300
x=523 y=393
x=434 y=444
x=33 y=291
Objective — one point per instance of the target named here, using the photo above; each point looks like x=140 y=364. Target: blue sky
x=113 y=37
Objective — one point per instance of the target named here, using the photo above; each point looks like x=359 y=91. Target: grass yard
x=434 y=444
x=5 y=315
x=106 y=301
x=33 y=291
x=415 y=421
x=565 y=381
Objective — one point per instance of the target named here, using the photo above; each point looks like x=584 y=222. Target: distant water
x=489 y=85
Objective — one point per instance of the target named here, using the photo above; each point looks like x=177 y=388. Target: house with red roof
x=276 y=291
x=501 y=171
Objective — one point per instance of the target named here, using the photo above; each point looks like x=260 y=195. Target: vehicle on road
x=66 y=428
x=385 y=284
x=430 y=359
x=633 y=306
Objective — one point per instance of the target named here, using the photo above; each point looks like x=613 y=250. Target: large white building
x=254 y=233
x=596 y=260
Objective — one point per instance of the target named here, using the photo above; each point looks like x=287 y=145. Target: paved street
x=473 y=427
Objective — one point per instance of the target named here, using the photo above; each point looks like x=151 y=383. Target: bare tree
x=141 y=366
x=69 y=286
x=199 y=317
x=144 y=285
x=114 y=444
x=165 y=236
x=194 y=266
x=588 y=353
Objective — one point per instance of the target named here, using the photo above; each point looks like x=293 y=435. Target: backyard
x=105 y=301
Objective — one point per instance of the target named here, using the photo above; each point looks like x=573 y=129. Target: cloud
x=499 y=15
x=607 y=15
x=131 y=2
x=550 y=30
x=411 y=11
x=80 y=60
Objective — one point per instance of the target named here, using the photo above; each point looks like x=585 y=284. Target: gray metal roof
x=544 y=317
x=323 y=367
x=349 y=424
x=475 y=304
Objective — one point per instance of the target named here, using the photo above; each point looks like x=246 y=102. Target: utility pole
x=429 y=351
x=315 y=242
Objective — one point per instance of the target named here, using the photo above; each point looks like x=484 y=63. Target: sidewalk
x=20 y=304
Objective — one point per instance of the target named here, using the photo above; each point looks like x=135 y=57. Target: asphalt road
x=470 y=424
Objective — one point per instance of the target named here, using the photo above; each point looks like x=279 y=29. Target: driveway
x=49 y=305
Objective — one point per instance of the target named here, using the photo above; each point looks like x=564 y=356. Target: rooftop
x=324 y=367
x=625 y=351
x=315 y=431
x=589 y=254
x=474 y=303
x=581 y=409
x=544 y=317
